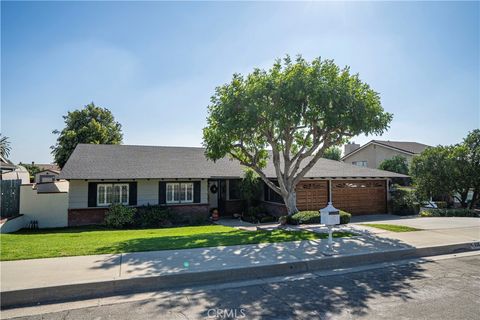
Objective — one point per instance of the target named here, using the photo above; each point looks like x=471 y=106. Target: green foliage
x=250 y=187
x=404 y=202
x=91 y=124
x=119 y=216
x=32 y=170
x=313 y=217
x=441 y=204
x=153 y=217
x=428 y=212
x=396 y=164
x=256 y=214
x=333 y=153
x=297 y=109
x=5 y=147
x=449 y=170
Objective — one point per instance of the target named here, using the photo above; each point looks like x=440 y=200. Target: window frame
x=112 y=185
x=182 y=191
x=363 y=162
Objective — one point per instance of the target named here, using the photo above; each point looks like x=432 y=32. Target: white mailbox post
x=330 y=216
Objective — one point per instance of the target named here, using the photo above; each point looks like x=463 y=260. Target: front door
x=222 y=196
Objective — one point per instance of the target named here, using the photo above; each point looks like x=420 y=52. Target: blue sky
x=156 y=64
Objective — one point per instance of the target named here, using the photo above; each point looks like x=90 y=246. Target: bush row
x=120 y=216
x=428 y=212
x=312 y=217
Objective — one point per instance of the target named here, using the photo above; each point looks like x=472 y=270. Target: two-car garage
x=354 y=196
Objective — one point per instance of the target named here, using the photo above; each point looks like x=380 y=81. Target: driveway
x=434 y=223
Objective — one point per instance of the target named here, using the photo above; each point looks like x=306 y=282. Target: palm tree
x=4 y=146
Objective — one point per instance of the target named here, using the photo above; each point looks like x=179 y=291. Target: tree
x=471 y=146
x=396 y=164
x=450 y=170
x=32 y=170
x=333 y=153
x=5 y=147
x=91 y=124
x=298 y=109
x=431 y=172
x=250 y=187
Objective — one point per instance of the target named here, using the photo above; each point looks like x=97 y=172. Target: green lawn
x=391 y=227
x=64 y=242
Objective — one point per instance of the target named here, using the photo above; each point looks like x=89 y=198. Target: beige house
x=374 y=152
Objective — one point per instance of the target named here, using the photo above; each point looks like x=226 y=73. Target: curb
x=64 y=293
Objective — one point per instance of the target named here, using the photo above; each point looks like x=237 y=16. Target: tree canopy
x=5 y=147
x=333 y=153
x=396 y=164
x=91 y=124
x=450 y=170
x=290 y=114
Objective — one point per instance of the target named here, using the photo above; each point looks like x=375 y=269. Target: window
x=112 y=193
x=360 y=163
x=233 y=189
x=179 y=192
x=271 y=195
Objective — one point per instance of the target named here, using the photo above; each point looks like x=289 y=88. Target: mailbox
x=329 y=215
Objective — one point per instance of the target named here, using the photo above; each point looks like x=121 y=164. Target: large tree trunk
x=291 y=202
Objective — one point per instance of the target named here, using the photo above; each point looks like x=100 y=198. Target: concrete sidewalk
x=44 y=280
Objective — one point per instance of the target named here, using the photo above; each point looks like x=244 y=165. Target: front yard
x=64 y=242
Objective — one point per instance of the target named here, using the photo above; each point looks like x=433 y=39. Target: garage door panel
x=312 y=195
x=360 y=196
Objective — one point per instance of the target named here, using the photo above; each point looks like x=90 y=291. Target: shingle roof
x=412 y=147
x=92 y=161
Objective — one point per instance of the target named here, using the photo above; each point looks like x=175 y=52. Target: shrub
x=256 y=214
x=345 y=217
x=429 y=212
x=119 y=216
x=441 y=204
x=154 y=217
x=404 y=202
x=313 y=217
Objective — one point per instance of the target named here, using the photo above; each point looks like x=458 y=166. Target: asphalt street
x=443 y=289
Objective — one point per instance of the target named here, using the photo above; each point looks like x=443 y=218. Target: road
x=447 y=288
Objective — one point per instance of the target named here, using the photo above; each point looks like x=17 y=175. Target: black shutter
x=132 y=193
x=92 y=194
x=265 y=192
x=196 y=191
x=162 y=193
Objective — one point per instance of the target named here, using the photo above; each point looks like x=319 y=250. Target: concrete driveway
x=433 y=223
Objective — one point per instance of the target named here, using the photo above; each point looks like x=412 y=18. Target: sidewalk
x=88 y=275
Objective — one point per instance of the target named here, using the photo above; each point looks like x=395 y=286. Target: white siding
x=78 y=194
x=147 y=192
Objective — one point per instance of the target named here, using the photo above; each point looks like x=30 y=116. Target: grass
x=63 y=242
x=391 y=227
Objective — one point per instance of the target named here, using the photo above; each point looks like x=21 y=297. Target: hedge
x=430 y=212
x=312 y=217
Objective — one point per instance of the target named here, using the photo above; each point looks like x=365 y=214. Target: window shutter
x=132 y=193
x=196 y=191
x=92 y=194
x=162 y=193
x=265 y=192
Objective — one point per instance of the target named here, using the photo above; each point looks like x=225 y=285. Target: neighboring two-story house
x=371 y=154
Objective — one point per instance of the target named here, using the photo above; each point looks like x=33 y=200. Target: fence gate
x=10 y=202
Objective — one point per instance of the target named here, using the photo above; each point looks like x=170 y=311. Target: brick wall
x=89 y=216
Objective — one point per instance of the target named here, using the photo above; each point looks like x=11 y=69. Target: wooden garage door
x=360 y=196
x=312 y=195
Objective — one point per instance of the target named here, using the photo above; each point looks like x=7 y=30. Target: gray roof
x=411 y=147
x=93 y=161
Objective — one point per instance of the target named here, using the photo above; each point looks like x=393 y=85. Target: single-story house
x=182 y=179
x=373 y=153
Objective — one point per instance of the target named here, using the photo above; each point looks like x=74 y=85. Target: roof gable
x=406 y=147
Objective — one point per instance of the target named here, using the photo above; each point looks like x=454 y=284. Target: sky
x=155 y=65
